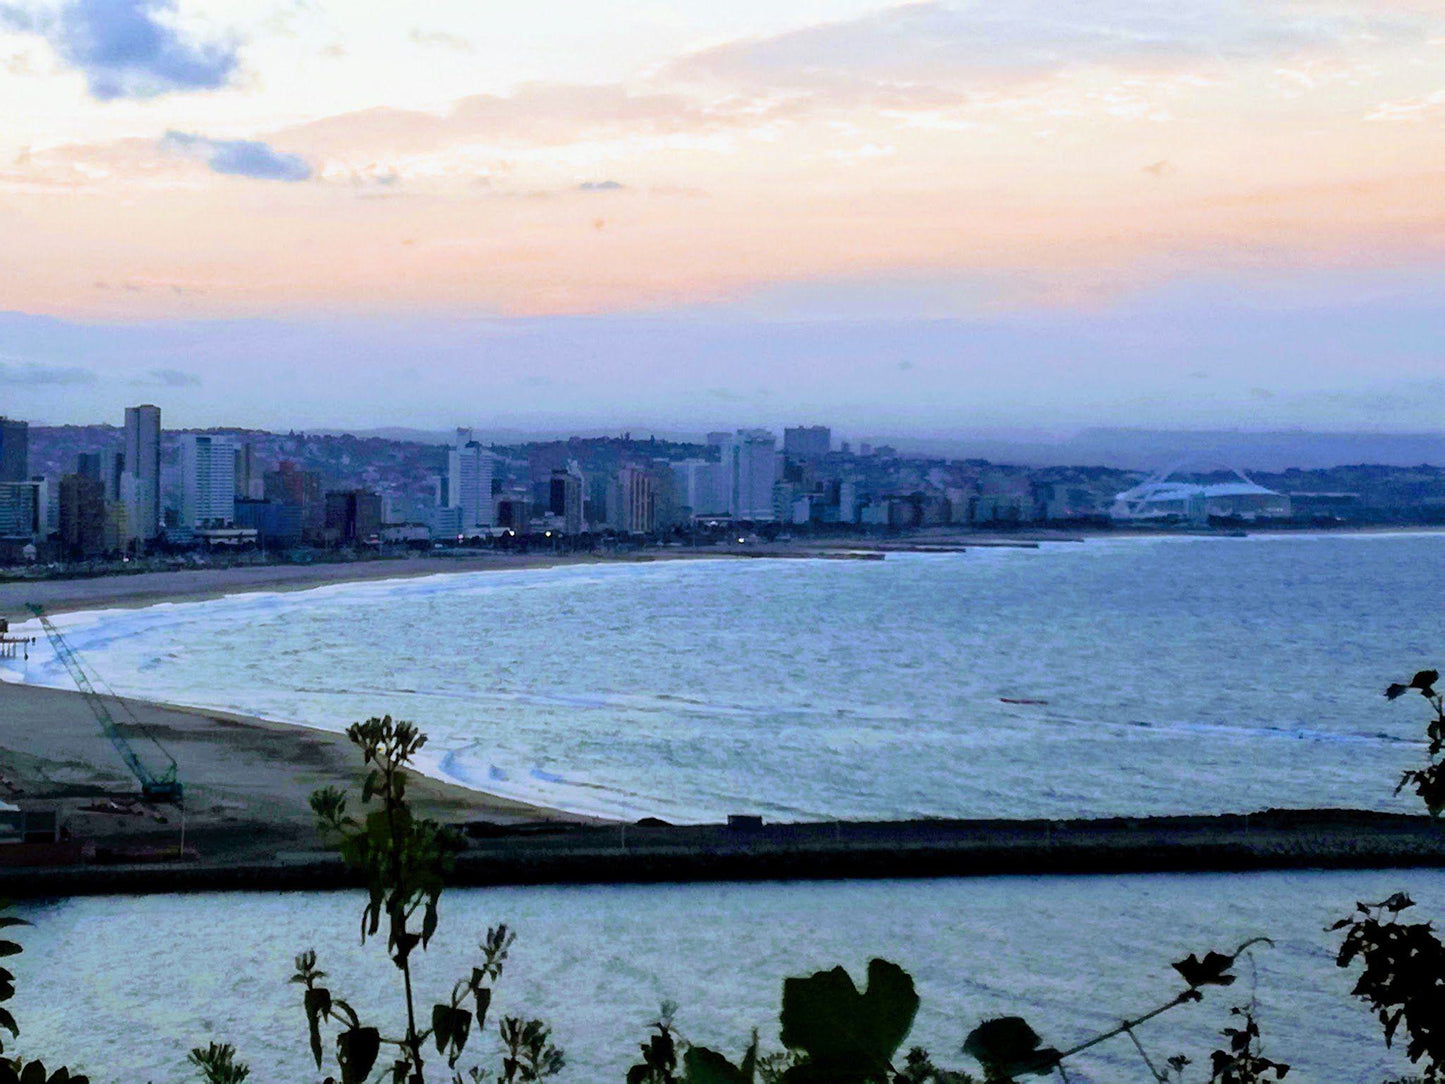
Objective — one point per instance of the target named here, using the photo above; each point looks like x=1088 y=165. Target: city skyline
x=906 y=217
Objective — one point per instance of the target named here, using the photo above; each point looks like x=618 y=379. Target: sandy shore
x=193 y=585
x=247 y=781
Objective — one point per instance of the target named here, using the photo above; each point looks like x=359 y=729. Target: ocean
x=1142 y=675
x=1155 y=675
x=124 y=987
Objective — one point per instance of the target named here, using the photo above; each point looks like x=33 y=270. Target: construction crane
x=162 y=787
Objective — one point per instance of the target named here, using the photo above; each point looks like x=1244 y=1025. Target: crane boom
x=165 y=787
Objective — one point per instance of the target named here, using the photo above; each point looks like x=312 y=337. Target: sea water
x=1140 y=675
x=1161 y=675
x=124 y=987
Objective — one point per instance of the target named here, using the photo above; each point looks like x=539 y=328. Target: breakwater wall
x=658 y=853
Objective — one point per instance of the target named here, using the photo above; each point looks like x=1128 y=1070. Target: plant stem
x=399 y=917
x=1155 y=1073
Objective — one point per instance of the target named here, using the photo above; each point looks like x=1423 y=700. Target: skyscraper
x=82 y=516
x=14 y=450
x=208 y=481
x=749 y=467
x=697 y=487
x=289 y=484
x=22 y=511
x=143 y=464
x=104 y=467
x=354 y=514
x=469 y=481
x=249 y=483
x=565 y=498
x=635 y=497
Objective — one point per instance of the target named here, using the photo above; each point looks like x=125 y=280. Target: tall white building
x=143 y=464
x=749 y=467
x=208 y=481
x=696 y=486
x=469 y=482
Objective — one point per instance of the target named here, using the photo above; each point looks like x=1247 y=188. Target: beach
x=110 y=591
x=247 y=781
x=198 y=584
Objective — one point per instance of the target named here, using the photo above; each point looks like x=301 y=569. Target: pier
x=559 y=853
x=13 y=646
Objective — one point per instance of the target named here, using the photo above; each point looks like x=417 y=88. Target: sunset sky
x=933 y=216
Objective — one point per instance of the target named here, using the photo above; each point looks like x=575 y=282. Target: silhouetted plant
x=1402 y=977
x=218 y=1064
x=1427 y=782
x=1243 y=1063
x=16 y=1070
x=1008 y=1047
x=404 y=860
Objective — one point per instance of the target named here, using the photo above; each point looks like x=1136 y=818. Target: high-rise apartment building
x=808 y=441
x=697 y=487
x=289 y=484
x=633 y=501
x=82 y=516
x=354 y=515
x=565 y=498
x=14 y=450
x=469 y=482
x=250 y=485
x=208 y=481
x=142 y=456
x=107 y=468
x=749 y=467
x=23 y=511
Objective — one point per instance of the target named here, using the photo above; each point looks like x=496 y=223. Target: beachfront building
x=469 y=483
x=141 y=484
x=23 y=510
x=748 y=461
x=353 y=515
x=289 y=484
x=632 y=501
x=698 y=487
x=208 y=481
x=82 y=516
x=565 y=498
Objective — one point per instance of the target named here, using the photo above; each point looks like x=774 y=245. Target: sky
x=922 y=217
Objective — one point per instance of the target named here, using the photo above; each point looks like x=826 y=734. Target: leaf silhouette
x=1007 y=1047
x=850 y=1035
x=1213 y=970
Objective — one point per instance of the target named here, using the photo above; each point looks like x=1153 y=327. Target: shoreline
x=143 y=589
x=138 y=590
x=248 y=780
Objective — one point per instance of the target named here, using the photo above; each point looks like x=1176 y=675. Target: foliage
x=1427 y=782
x=1007 y=1048
x=404 y=860
x=847 y=1037
x=833 y=1033
x=218 y=1064
x=1243 y=1063
x=1402 y=977
x=17 y=1070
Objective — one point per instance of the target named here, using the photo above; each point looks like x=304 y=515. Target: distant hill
x=1153 y=449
